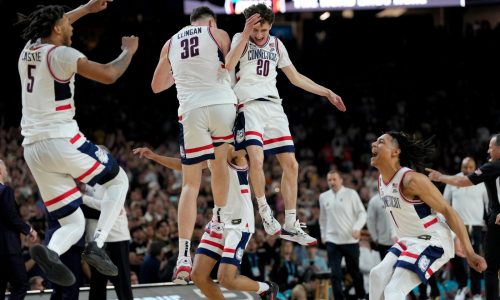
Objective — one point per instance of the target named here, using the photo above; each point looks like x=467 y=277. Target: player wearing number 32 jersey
x=193 y=59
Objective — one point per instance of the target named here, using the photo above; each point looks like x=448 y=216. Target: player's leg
x=207 y=255
x=234 y=247
x=202 y=267
x=195 y=147
x=380 y=276
x=401 y=283
x=249 y=131
x=221 y=120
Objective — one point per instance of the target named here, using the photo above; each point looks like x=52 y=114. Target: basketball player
x=425 y=242
x=54 y=148
x=194 y=58
x=238 y=229
x=261 y=125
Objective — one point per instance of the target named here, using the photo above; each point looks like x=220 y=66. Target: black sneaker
x=52 y=266
x=271 y=293
x=99 y=259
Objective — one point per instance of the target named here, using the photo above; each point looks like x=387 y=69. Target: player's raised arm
x=90 y=7
x=240 y=42
x=169 y=162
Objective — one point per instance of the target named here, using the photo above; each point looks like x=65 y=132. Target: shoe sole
x=292 y=238
x=56 y=272
x=181 y=277
x=100 y=265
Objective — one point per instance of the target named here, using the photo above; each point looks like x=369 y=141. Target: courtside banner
x=160 y=291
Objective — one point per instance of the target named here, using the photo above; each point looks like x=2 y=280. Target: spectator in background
x=11 y=225
x=379 y=226
x=138 y=249
x=285 y=271
x=152 y=270
x=470 y=203
x=342 y=216
x=252 y=265
x=36 y=283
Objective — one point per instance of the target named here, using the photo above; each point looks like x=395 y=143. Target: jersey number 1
x=190 y=47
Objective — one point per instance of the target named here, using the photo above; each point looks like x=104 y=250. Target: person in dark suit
x=11 y=224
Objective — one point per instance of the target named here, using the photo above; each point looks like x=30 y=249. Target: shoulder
x=219 y=33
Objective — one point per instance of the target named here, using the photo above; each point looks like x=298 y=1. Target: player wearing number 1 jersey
x=261 y=125
x=193 y=59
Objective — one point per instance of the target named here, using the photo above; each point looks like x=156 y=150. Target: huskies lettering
x=261 y=54
x=390 y=201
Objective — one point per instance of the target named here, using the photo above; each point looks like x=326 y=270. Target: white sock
x=72 y=228
x=111 y=206
x=262 y=287
x=184 y=247
x=261 y=201
x=290 y=217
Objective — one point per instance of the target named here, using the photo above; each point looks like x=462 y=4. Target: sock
x=290 y=217
x=261 y=201
x=100 y=237
x=184 y=247
x=262 y=287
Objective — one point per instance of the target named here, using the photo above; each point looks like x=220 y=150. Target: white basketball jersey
x=256 y=77
x=47 y=75
x=239 y=201
x=198 y=69
x=412 y=218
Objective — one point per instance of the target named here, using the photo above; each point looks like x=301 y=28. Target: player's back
x=198 y=69
x=47 y=97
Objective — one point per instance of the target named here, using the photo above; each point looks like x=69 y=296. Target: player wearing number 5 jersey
x=54 y=149
x=261 y=125
x=194 y=59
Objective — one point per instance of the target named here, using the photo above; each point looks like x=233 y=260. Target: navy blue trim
x=230 y=261
x=278 y=150
x=111 y=167
x=208 y=253
x=62 y=90
x=255 y=142
x=90 y=213
x=195 y=160
x=394 y=250
x=217 y=144
x=239 y=131
x=242 y=176
x=423 y=210
x=67 y=209
x=413 y=268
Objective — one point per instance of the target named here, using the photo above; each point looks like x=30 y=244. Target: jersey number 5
x=31 y=78
x=190 y=47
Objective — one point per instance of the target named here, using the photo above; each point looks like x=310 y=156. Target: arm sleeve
x=488 y=171
x=9 y=213
x=359 y=211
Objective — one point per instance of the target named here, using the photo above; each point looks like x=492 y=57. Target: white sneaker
x=182 y=270
x=461 y=293
x=271 y=225
x=296 y=234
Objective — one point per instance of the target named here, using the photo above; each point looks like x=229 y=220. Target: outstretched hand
x=143 y=152
x=130 y=43
x=94 y=6
x=336 y=100
x=477 y=262
x=433 y=174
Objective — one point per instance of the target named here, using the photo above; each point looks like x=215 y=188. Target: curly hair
x=40 y=22
x=266 y=14
x=415 y=153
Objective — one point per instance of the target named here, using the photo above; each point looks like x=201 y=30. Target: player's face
x=383 y=149
x=334 y=181
x=260 y=33
x=494 y=150
x=66 y=30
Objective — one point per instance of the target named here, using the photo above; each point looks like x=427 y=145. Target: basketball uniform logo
x=423 y=263
x=240 y=135
x=182 y=152
x=101 y=155
x=239 y=254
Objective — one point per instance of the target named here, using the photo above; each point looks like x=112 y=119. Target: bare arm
x=169 y=162
x=307 y=84
x=163 y=78
x=418 y=185
x=456 y=180
x=110 y=72
x=235 y=53
x=92 y=6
